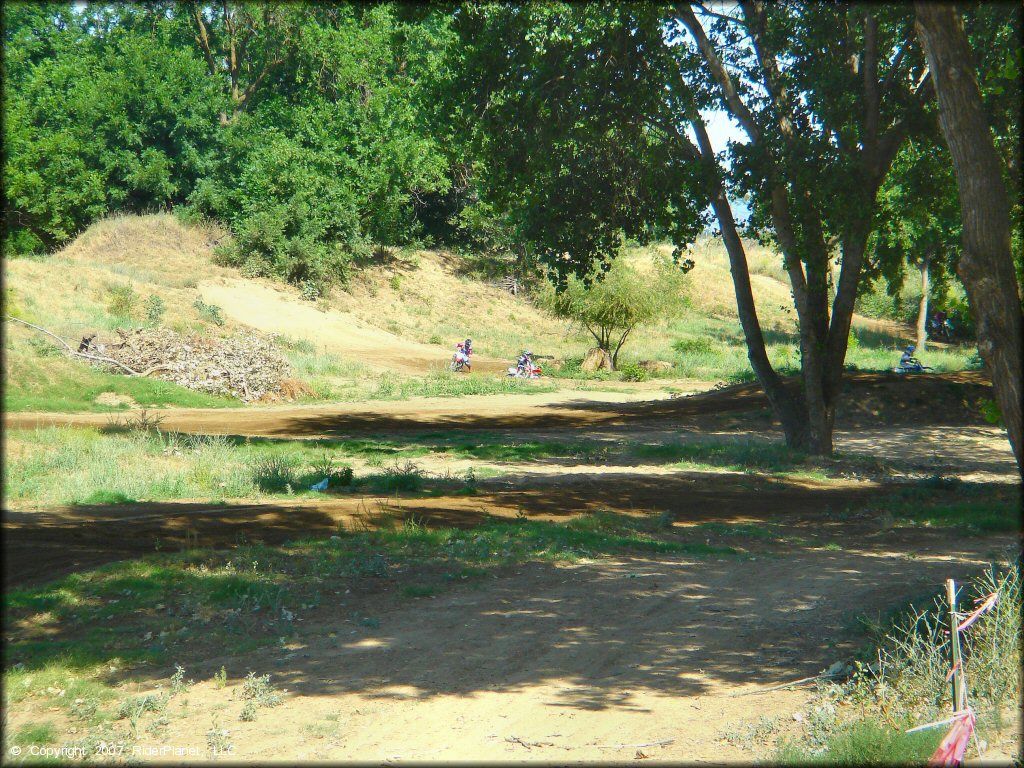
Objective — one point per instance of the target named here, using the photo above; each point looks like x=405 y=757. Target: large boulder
x=597 y=360
x=655 y=366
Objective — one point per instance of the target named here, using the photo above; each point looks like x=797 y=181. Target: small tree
x=610 y=305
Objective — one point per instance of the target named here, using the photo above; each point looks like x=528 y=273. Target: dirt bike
x=457 y=365
x=522 y=372
x=912 y=367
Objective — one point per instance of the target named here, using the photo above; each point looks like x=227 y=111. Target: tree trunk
x=986 y=266
x=922 y=310
x=787 y=407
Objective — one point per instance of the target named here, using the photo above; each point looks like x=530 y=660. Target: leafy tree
x=561 y=119
x=918 y=225
x=583 y=111
x=986 y=266
x=612 y=304
x=97 y=124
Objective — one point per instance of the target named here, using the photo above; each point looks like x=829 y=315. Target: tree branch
x=204 y=41
x=718 y=71
x=84 y=355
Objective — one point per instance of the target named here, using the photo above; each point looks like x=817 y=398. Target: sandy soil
x=277 y=310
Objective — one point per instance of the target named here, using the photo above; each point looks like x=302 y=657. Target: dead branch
x=801 y=681
x=631 y=746
x=98 y=358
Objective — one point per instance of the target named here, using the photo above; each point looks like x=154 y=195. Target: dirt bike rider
x=524 y=362
x=909 y=362
x=462 y=353
x=467 y=347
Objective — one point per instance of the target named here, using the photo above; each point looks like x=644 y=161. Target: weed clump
x=273 y=474
x=122 y=300
x=259 y=691
x=906 y=683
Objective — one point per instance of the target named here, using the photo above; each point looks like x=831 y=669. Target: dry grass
x=69 y=292
x=710 y=290
x=429 y=302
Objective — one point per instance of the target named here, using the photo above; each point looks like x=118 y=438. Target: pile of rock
x=247 y=365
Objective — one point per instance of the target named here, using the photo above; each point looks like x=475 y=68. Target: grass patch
x=119 y=465
x=900 y=681
x=78 y=624
x=864 y=742
x=739 y=456
x=971 y=508
x=58 y=384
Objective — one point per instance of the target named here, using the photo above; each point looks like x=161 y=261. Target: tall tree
x=918 y=225
x=986 y=266
x=823 y=118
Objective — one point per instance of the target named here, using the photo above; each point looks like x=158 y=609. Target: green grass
x=971 y=508
x=82 y=465
x=865 y=742
x=734 y=455
x=57 y=384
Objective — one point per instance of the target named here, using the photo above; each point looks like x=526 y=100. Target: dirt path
x=277 y=310
x=608 y=659
x=594 y=661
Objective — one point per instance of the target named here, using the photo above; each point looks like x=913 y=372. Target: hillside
x=400 y=319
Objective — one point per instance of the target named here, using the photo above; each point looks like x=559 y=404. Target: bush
x=122 y=300
x=633 y=372
x=273 y=474
x=209 y=312
x=700 y=345
x=154 y=307
x=265 y=246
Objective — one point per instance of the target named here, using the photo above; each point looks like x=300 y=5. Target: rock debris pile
x=247 y=365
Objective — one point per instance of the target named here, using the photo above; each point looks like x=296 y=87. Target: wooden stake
x=954 y=644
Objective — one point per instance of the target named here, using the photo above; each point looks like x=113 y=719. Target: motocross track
x=614 y=659
x=43 y=544
x=276 y=310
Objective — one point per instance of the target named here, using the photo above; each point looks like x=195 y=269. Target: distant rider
x=467 y=347
x=525 y=363
x=461 y=356
x=909 y=362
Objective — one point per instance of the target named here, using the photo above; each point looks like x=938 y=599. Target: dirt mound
x=246 y=366
x=279 y=310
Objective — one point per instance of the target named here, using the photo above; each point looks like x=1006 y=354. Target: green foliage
x=610 y=305
x=990 y=411
x=95 y=122
x=209 y=312
x=122 y=300
x=274 y=474
x=556 y=162
x=633 y=372
x=155 y=308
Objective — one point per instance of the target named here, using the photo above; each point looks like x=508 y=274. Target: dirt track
x=611 y=659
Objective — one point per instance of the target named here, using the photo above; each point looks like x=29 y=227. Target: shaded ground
x=883 y=400
x=606 y=659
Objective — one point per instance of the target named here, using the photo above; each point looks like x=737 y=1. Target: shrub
x=699 y=345
x=273 y=474
x=259 y=690
x=310 y=290
x=209 y=312
x=122 y=300
x=633 y=372
x=154 y=307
